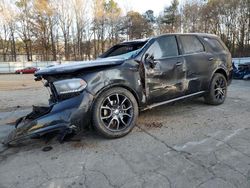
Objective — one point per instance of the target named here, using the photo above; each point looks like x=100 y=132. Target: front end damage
x=65 y=114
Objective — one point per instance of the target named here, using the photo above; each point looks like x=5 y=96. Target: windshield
x=126 y=55
x=124 y=50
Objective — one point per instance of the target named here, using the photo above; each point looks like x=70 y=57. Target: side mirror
x=150 y=60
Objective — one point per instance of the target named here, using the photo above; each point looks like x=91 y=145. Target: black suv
x=109 y=92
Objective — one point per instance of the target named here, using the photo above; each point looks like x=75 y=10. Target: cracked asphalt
x=187 y=144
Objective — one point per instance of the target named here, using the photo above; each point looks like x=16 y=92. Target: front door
x=165 y=70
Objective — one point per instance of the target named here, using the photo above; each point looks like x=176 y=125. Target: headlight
x=70 y=86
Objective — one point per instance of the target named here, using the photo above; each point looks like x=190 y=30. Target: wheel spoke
x=219 y=90
x=127 y=108
x=126 y=114
x=107 y=117
x=111 y=121
x=124 y=100
x=110 y=102
x=118 y=101
x=121 y=118
x=118 y=124
x=106 y=108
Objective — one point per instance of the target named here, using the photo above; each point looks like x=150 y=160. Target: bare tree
x=83 y=29
x=65 y=16
x=8 y=41
x=24 y=28
x=80 y=12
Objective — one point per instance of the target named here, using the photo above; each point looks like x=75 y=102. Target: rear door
x=197 y=61
x=221 y=55
x=165 y=71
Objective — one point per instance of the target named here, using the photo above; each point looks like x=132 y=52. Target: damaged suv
x=109 y=92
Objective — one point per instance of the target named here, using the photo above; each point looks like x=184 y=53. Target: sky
x=143 y=5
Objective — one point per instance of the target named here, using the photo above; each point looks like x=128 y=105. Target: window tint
x=214 y=44
x=191 y=44
x=164 y=47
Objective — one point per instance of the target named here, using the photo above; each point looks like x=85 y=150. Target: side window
x=214 y=44
x=191 y=44
x=164 y=47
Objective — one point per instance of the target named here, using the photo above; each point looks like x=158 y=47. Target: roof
x=145 y=40
x=197 y=34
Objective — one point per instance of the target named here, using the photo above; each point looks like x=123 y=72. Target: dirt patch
x=153 y=125
x=149 y=121
x=83 y=145
x=19 y=91
x=16 y=82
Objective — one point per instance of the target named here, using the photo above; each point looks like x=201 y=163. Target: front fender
x=127 y=76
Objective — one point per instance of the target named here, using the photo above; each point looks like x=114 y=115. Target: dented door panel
x=197 y=71
x=165 y=70
x=166 y=80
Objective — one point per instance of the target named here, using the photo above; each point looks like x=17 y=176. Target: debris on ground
x=153 y=125
x=242 y=72
x=47 y=148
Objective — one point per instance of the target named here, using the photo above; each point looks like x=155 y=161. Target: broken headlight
x=70 y=86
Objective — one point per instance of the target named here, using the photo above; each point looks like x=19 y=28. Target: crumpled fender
x=62 y=117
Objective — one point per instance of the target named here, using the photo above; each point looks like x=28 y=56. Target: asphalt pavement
x=182 y=145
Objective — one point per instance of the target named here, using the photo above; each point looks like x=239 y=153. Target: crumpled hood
x=77 y=66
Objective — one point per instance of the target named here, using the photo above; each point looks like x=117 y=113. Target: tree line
x=84 y=29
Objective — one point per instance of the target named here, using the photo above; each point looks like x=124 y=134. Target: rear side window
x=191 y=44
x=214 y=44
x=164 y=47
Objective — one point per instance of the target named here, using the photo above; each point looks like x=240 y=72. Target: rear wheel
x=115 y=112
x=217 y=91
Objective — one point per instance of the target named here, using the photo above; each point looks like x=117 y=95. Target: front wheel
x=217 y=91
x=115 y=112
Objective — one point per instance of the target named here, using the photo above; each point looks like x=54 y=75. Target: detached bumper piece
x=59 y=119
x=28 y=127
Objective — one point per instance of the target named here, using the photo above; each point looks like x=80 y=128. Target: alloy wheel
x=116 y=112
x=220 y=89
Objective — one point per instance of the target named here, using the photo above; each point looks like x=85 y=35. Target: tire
x=217 y=90
x=114 y=113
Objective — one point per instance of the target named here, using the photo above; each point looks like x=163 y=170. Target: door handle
x=211 y=59
x=178 y=64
